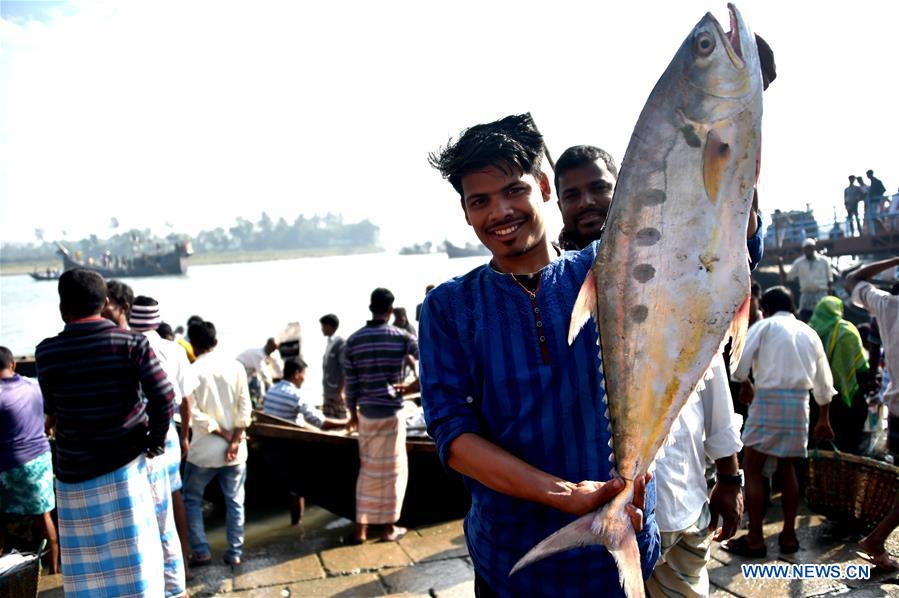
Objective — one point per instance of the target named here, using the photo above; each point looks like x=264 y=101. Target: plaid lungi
x=108 y=535
x=777 y=422
x=172 y=458
x=383 y=470
x=158 y=475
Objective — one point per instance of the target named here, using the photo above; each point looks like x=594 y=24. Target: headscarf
x=843 y=346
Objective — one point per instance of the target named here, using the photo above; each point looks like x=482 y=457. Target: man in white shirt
x=885 y=307
x=787 y=360
x=263 y=366
x=815 y=278
x=706 y=427
x=145 y=317
x=220 y=413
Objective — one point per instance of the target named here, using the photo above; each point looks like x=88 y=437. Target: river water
x=249 y=302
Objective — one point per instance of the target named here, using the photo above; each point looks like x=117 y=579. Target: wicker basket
x=851 y=488
x=23 y=581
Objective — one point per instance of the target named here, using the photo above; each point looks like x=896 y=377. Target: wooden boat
x=469 y=250
x=173 y=262
x=329 y=462
x=47 y=275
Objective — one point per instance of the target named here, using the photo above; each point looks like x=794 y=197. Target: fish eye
x=704 y=44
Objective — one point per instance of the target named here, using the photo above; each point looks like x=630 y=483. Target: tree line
x=266 y=234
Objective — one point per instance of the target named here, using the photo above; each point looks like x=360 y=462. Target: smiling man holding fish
x=510 y=405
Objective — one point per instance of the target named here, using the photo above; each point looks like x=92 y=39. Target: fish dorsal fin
x=737 y=332
x=584 y=306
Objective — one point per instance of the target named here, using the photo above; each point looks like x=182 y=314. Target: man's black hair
x=777 y=299
x=755 y=289
x=144 y=300
x=193 y=320
x=512 y=144
x=330 y=320
x=579 y=155
x=6 y=358
x=120 y=294
x=165 y=331
x=381 y=301
x=82 y=293
x=202 y=335
x=894 y=290
x=292 y=366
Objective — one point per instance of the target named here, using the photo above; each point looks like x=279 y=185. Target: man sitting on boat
x=285 y=401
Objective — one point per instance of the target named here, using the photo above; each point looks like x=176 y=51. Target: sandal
x=882 y=562
x=398 y=533
x=193 y=562
x=740 y=547
x=787 y=548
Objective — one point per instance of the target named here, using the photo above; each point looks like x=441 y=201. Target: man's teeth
x=508 y=230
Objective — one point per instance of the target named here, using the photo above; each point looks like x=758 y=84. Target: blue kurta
x=488 y=368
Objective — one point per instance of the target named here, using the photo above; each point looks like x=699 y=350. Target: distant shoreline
x=208 y=259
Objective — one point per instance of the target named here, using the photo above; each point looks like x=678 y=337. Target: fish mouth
x=734 y=45
x=733 y=36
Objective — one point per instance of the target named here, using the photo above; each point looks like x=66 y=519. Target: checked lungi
x=158 y=475
x=383 y=470
x=172 y=457
x=108 y=535
x=777 y=422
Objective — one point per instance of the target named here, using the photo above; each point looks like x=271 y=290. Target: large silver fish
x=671 y=278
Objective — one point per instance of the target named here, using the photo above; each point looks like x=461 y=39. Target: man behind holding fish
x=687 y=515
x=511 y=406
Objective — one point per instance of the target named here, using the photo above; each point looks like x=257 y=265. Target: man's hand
x=353 y=424
x=725 y=500
x=231 y=451
x=823 y=431
x=332 y=425
x=185 y=447
x=747 y=392
x=587 y=496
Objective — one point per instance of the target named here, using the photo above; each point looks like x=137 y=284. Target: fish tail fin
x=584 y=306
x=610 y=527
x=574 y=535
x=737 y=331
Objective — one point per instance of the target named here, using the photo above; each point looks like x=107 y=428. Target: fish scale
x=671 y=278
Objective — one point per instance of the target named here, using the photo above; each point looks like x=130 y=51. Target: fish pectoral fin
x=737 y=331
x=714 y=163
x=584 y=306
x=574 y=535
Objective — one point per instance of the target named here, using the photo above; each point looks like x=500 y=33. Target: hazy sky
x=194 y=113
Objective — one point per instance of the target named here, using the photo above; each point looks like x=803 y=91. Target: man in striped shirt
x=373 y=364
x=285 y=401
x=91 y=376
x=510 y=405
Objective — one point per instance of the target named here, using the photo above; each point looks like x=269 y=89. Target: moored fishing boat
x=330 y=464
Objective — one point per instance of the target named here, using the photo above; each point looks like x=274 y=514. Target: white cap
x=809 y=243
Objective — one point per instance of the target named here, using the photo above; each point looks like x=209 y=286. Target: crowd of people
x=127 y=488
x=880 y=211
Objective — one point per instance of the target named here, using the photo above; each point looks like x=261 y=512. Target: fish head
x=718 y=66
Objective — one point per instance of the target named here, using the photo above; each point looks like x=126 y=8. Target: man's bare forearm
x=503 y=472
x=870 y=271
